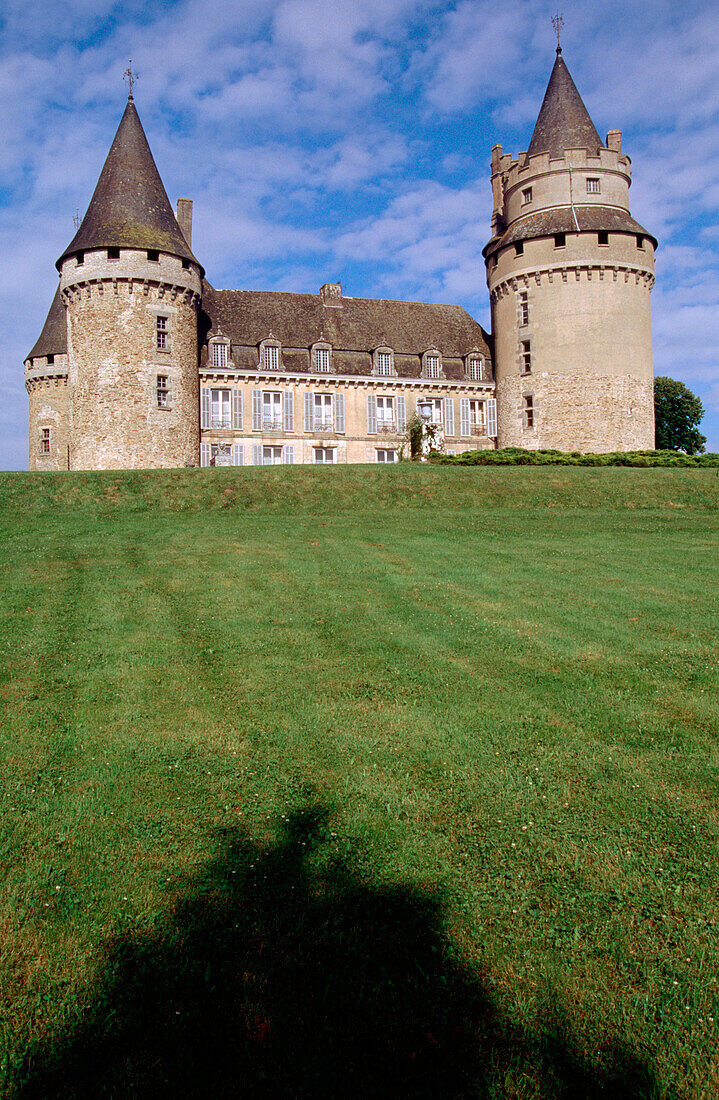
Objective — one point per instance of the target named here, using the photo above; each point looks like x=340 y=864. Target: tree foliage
x=677 y=412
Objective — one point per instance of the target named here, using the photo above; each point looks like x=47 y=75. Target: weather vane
x=558 y=23
x=76 y=218
x=129 y=77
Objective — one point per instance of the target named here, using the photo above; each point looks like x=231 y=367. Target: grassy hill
x=359 y=781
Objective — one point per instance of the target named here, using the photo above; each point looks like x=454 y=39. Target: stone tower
x=46 y=385
x=131 y=290
x=569 y=274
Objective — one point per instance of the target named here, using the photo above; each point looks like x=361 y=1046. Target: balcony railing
x=272 y=423
x=322 y=424
x=477 y=429
x=220 y=421
x=386 y=427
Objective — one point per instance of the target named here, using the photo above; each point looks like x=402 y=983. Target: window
x=271 y=456
x=526 y=356
x=270 y=357
x=560 y=240
x=384 y=362
x=271 y=411
x=495 y=259
x=221 y=411
x=430 y=408
x=432 y=366
x=322 y=360
x=324 y=454
x=113 y=253
x=162 y=333
x=50 y=360
x=384 y=454
x=385 y=414
x=219 y=356
x=477 y=419
x=593 y=186
x=528 y=411
x=524 y=307
x=475 y=369
x=519 y=248
x=602 y=237
x=80 y=259
x=44 y=441
x=163 y=392
x=526 y=195
x=322 y=412
x=186 y=264
x=153 y=255
x=640 y=241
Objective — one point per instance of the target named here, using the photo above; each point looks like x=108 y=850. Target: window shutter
x=289 y=455
x=238 y=454
x=339 y=412
x=371 y=414
x=257 y=411
x=206 y=408
x=237 y=410
x=401 y=412
x=308 y=412
x=288 y=404
x=449 y=416
x=492 y=418
x=204 y=454
x=464 y=416
x=256 y=454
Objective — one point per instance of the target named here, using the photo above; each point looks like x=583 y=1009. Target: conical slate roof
x=53 y=338
x=129 y=207
x=564 y=121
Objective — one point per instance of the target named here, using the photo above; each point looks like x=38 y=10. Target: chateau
x=143 y=363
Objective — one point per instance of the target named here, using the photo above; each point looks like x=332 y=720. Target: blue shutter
x=288 y=405
x=449 y=416
x=464 y=416
x=238 y=454
x=256 y=454
x=492 y=418
x=339 y=412
x=204 y=454
x=289 y=455
x=206 y=408
x=371 y=414
x=237 y=410
x=401 y=413
x=257 y=410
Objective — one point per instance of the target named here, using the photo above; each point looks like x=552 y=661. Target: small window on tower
x=593 y=185
x=528 y=411
x=519 y=248
x=526 y=196
x=161 y=333
x=153 y=254
x=50 y=360
x=560 y=239
x=640 y=241
x=524 y=307
x=186 y=264
x=163 y=392
x=44 y=441
x=80 y=258
x=495 y=259
x=113 y=253
x=526 y=352
x=602 y=237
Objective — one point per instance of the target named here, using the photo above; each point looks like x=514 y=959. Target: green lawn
x=360 y=782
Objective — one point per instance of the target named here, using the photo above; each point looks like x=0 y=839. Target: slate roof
x=545 y=223
x=53 y=338
x=360 y=324
x=129 y=207
x=563 y=121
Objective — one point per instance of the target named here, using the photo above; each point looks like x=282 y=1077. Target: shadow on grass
x=280 y=973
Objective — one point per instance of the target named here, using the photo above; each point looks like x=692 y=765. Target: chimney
x=331 y=294
x=614 y=141
x=184 y=219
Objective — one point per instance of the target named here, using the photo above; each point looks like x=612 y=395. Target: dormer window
x=321 y=356
x=526 y=196
x=432 y=364
x=219 y=354
x=594 y=187
x=384 y=362
x=270 y=356
x=475 y=368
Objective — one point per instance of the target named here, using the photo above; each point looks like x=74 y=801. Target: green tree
x=677 y=412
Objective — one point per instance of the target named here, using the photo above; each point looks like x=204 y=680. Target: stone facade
x=46 y=385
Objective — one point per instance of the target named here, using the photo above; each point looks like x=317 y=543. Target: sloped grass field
x=360 y=782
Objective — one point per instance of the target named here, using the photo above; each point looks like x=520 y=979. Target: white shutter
x=288 y=404
x=289 y=455
x=449 y=416
x=237 y=410
x=464 y=416
x=371 y=414
x=401 y=412
x=256 y=454
x=238 y=454
x=308 y=406
x=206 y=407
x=257 y=411
x=492 y=418
x=339 y=412
x=204 y=454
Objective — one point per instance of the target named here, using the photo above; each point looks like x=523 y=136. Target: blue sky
x=350 y=139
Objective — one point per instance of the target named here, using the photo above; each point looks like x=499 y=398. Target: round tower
x=569 y=274
x=131 y=289
x=46 y=385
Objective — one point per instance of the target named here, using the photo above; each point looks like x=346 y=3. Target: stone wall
x=48 y=401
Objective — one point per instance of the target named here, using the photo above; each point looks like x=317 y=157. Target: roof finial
x=129 y=77
x=558 y=23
